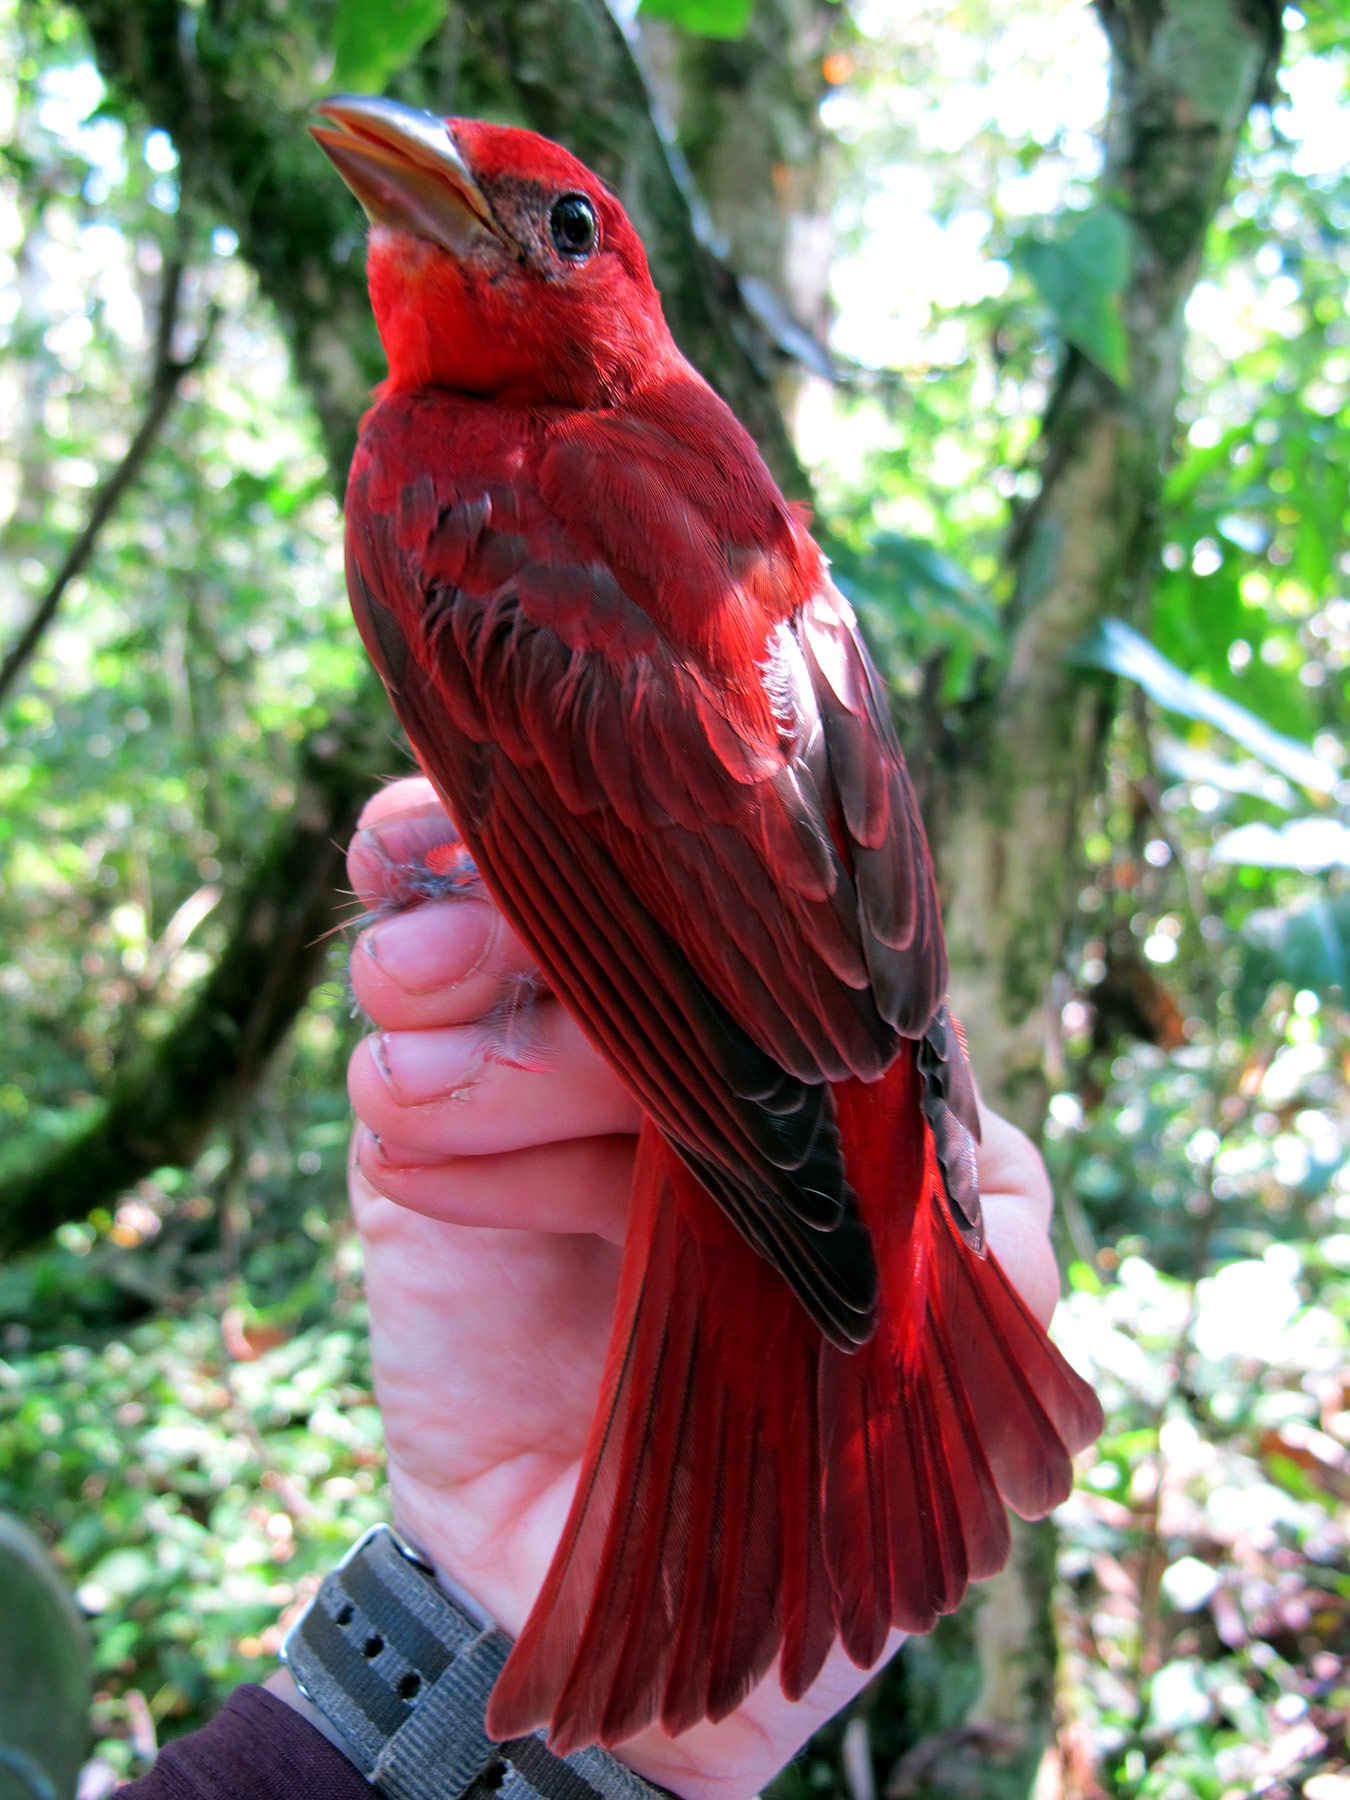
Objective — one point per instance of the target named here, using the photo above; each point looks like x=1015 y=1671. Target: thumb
x=406 y=850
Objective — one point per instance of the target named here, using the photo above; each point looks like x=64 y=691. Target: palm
x=491 y=1197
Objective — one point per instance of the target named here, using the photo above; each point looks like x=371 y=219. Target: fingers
x=1009 y=1163
x=1017 y=1202
x=581 y=1185
x=444 y=963
x=408 y=851
x=1024 y=1252
x=438 y=1106
x=403 y=796
x=434 y=1094
x=481 y=1102
x=443 y=956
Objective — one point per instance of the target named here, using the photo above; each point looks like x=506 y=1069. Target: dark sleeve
x=256 y=1748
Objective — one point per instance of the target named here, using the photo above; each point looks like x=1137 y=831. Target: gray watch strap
x=403 y=1671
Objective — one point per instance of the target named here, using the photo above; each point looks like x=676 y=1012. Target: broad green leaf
x=1117 y=647
x=704 y=18
x=1207 y=59
x=1081 y=277
x=372 y=40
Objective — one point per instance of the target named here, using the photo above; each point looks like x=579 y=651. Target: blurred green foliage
x=185 y=1409
x=704 y=18
x=371 y=42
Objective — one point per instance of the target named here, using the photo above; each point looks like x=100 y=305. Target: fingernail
x=432 y=947
x=365 y=1147
x=420 y=1066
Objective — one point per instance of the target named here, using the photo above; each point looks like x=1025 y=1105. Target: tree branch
x=1029 y=755
x=166 y=377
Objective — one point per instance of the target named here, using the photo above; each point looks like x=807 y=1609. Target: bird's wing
x=731 y=892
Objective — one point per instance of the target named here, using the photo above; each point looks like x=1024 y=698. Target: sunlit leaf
x=704 y=18
x=1081 y=276
x=1117 y=647
x=1189 y=764
x=1298 y=844
x=372 y=41
x=1247 y=533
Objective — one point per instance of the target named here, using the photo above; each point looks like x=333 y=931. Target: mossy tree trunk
x=163 y=1104
x=1015 y=778
x=1012 y=786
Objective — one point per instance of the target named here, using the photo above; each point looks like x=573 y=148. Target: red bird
x=619 y=656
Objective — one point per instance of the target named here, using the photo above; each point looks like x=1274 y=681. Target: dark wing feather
x=897 y=903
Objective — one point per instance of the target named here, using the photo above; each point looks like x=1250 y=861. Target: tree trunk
x=746 y=114
x=1008 y=809
x=1008 y=806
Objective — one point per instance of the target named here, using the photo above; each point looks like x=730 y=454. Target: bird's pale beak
x=406 y=170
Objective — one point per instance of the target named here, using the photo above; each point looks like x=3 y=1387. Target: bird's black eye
x=571 y=224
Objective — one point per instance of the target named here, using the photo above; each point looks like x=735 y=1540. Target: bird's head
x=499 y=265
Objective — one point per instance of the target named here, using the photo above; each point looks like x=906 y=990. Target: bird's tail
x=749 y=1491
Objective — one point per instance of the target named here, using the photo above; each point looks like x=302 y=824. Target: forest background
x=1044 y=307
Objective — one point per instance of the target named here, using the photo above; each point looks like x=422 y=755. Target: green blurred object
x=44 y=1673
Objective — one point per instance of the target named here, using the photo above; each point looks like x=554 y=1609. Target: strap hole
x=343 y=1615
x=492 y=1775
x=409 y=1685
x=373 y=1645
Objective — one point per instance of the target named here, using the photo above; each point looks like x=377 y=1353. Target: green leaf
x=703 y=18
x=1081 y=277
x=1117 y=647
x=1209 y=61
x=372 y=40
x=920 y=589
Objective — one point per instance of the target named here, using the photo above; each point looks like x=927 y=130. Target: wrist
x=399 y=1671
x=281 y=1685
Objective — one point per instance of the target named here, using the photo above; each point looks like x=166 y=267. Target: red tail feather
x=750 y=1490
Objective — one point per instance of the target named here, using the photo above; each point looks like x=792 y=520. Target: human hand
x=492 y=1200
